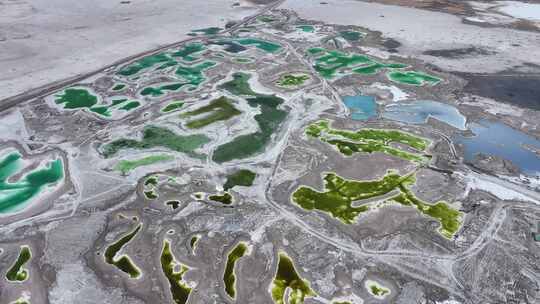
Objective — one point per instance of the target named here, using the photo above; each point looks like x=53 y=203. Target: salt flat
x=42 y=41
x=421 y=30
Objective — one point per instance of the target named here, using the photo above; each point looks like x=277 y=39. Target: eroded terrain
x=285 y=157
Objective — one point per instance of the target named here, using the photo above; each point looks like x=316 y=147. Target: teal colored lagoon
x=418 y=112
x=362 y=107
x=15 y=195
x=493 y=138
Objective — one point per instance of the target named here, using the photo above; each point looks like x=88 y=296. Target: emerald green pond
x=15 y=195
x=80 y=98
x=413 y=78
x=158 y=137
x=332 y=63
x=192 y=76
x=269 y=120
x=145 y=63
x=239 y=178
x=306 y=28
x=76 y=98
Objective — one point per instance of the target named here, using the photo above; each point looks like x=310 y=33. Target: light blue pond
x=493 y=138
x=418 y=112
x=362 y=107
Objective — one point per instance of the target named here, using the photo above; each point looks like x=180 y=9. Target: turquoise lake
x=418 y=112
x=362 y=107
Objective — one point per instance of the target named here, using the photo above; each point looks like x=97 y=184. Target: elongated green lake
x=125 y=166
x=180 y=291
x=229 y=278
x=123 y=262
x=158 y=137
x=17 y=273
x=370 y=141
x=16 y=195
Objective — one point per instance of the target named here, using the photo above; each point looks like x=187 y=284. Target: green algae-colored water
x=174 y=204
x=125 y=166
x=194 y=74
x=376 y=289
x=239 y=85
x=331 y=63
x=154 y=136
x=339 y=195
x=413 y=78
x=219 y=109
x=173 y=106
x=130 y=105
x=188 y=53
x=123 y=263
x=269 y=120
x=162 y=89
x=151 y=181
x=192 y=77
x=119 y=87
x=145 y=63
x=179 y=289
x=14 y=196
x=264 y=45
x=151 y=194
x=369 y=141
x=224 y=198
x=292 y=80
x=208 y=31
x=352 y=36
x=287 y=277
x=229 y=278
x=449 y=218
x=80 y=98
x=239 y=178
x=76 y=98
x=17 y=273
